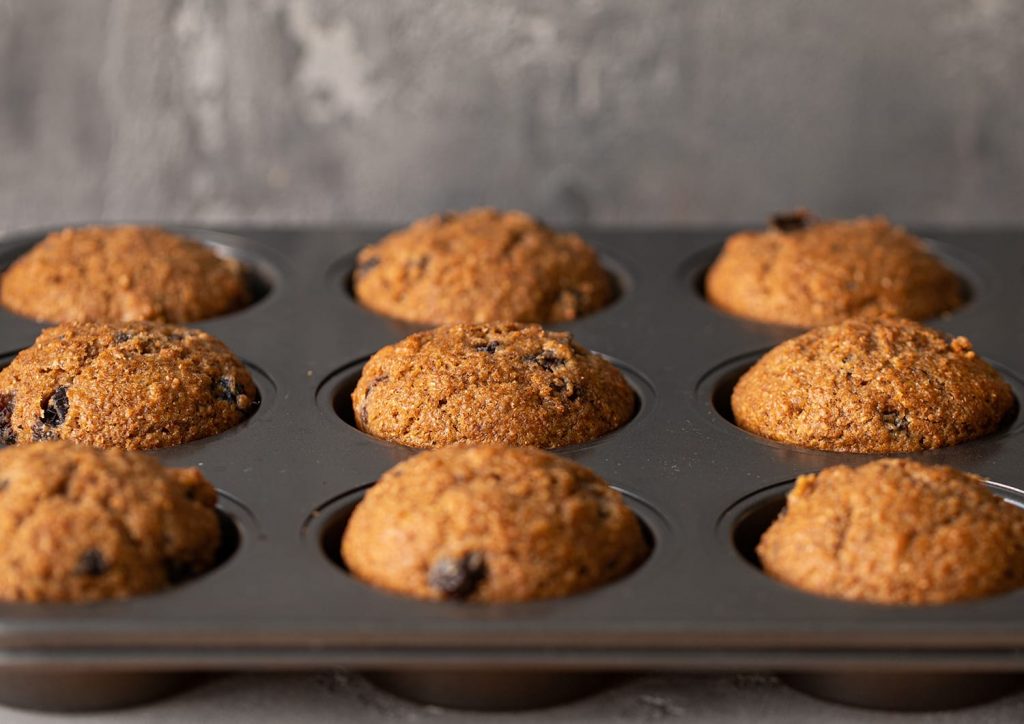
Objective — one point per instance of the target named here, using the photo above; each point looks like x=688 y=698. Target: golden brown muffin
x=81 y=524
x=896 y=532
x=804 y=272
x=872 y=386
x=481 y=265
x=491 y=524
x=130 y=385
x=507 y=383
x=122 y=274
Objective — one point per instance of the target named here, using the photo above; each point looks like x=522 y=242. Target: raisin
x=6 y=411
x=225 y=388
x=895 y=422
x=122 y=337
x=56 y=408
x=546 y=359
x=793 y=221
x=489 y=347
x=364 y=414
x=565 y=387
x=458 y=577
x=41 y=432
x=515 y=238
x=92 y=563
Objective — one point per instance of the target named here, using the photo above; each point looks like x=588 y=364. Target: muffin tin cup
x=282 y=602
x=72 y=690
x=900 y=691
x=491 y=690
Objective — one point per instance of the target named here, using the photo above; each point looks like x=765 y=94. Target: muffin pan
x=704 y=489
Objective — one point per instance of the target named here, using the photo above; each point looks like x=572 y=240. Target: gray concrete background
x=607 y=111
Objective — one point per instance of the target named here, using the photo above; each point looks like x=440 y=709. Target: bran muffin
x=509 y=383
x=896 y=532
x=81 y=524
x=481 y=265
x=804 y=272
x=129 y=385
x=122 y=274
x=872 y=386
x=491 y=524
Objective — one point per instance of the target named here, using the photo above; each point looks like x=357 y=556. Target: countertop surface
x=342 y=697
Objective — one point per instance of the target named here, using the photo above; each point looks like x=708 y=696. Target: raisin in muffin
x=82 y=524
x=481 y=265
x=122 y=274
x=491 y=524
x=872 y=386
x=130 y=385
x=490 y=383
x=804 y=272
x=896 y=532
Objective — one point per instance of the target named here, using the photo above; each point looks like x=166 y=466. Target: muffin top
x=805 y=272
x=129 y=385
x=81 y=524
x=508 y=383
x=896 y=532
x=872 y=386
x=491 y=524
x=481 y=265
x=122 y=274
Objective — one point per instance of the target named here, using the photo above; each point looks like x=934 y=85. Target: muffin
x=122 y=274
x=872 y=386
x=509 y=383
x=491 y=524
x=804 y=272
x=81 y=524
x=481 y=265
x=896 y=532
x=130 y=385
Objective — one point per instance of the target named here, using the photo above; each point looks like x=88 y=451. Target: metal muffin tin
x=705 y=489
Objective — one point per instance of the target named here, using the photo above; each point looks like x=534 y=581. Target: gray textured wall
x=616 y=111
